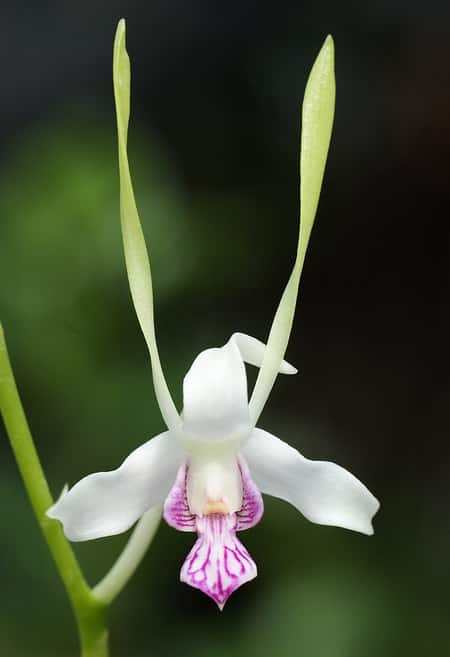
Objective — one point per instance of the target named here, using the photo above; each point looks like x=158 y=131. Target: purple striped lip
x=176 y=509
x=252 y=508
x=218 y=563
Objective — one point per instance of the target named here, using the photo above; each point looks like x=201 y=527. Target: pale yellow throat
x=215 y=507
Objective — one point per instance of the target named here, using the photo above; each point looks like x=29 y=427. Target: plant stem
x=89 y=612
x=112 y=584
x=93 y=631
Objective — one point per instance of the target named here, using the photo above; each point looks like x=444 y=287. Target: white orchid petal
x=252 y=352
x=215 y=389
x=324 y=492
x=136 y=257
x=215 y=395
x=108 y=503
x=317 y=123
x=63 y=493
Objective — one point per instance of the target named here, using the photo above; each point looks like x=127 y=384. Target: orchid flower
x=211 y=466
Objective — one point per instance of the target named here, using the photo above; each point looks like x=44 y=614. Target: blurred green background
x=214 y=149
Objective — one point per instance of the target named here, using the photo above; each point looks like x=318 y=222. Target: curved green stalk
x=89 y=612
x=90 y=605
x=113 y=583
x=317 y=124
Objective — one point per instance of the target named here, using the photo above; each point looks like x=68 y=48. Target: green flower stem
x=113 y=583
x=90 y=613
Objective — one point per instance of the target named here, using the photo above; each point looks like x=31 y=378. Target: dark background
x=214 y=151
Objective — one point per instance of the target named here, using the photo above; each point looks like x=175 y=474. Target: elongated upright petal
x=324 y=492
x=317 y=122
x=136 y=257
x=108 y=503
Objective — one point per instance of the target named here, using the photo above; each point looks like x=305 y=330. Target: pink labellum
x=252 y=508
x=218 y=563
x=176 y=510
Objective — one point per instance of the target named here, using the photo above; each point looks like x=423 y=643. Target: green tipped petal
x=317 y=123
x=136 y=257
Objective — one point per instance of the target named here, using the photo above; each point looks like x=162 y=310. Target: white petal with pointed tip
x=215 y=395
x=252 y=352
x=108 y=503
x=324 y=492
x=215 y=389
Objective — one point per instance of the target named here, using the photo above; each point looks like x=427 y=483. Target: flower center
x=214 y=484
x=215 y=507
